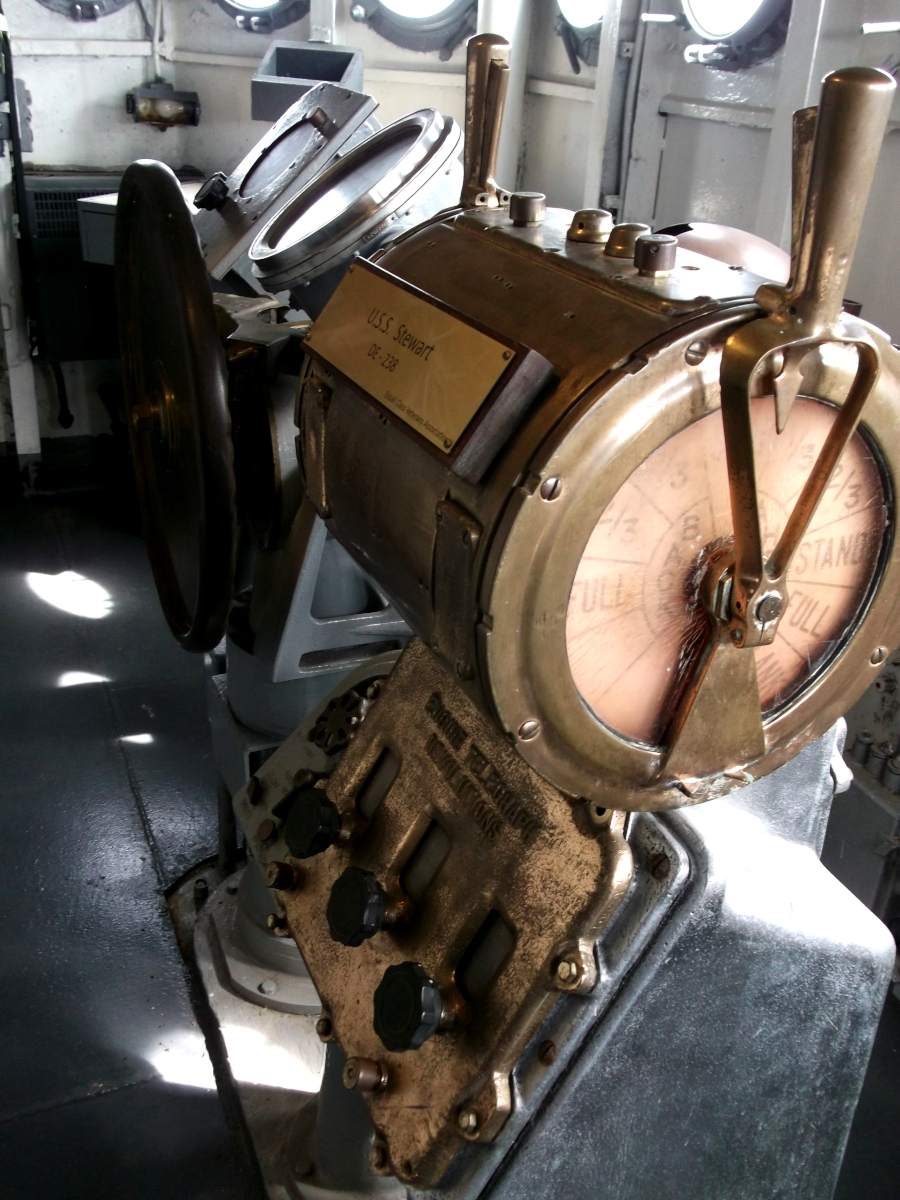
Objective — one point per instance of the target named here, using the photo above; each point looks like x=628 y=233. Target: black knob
x=312 y=825
x=213 y=193
x=407 y=1007
x=357 y=907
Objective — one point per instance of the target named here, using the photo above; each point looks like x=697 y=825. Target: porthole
x=85 y=10
x=578 y=24
x=736 y=33
x=263 y=16
x=424 y=25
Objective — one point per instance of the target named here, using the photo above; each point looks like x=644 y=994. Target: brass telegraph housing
x=484 y=568
x=477 y=813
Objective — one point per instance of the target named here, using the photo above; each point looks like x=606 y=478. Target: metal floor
x=108 y=796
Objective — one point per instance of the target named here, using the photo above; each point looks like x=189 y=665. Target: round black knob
x=213 y=193
x=407 y=1007
x=312 y=825
x=357 y=907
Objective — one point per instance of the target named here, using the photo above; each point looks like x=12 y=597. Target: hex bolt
x=254 y=790
x=363 y=1075
x=201 y=891
x=769 y=608
x=568 y=972
x=862 y=745
x=660 y=866
x=468 y=1121
x=357 y=12
x=551 y=488
x=325 y=1029
x=281 y=876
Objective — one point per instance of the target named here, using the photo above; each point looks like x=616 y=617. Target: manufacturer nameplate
x=431 y=368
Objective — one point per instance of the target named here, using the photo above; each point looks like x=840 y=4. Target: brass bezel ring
x=539 y=543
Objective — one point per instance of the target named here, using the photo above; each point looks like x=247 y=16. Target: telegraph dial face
x=635 y=619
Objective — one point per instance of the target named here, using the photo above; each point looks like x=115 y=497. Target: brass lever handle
x=487 y=79
x=745 y=593
x=849 y=128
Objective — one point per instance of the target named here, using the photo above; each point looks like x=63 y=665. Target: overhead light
x=658 y=18
x=881 y=27
x=582 y=14
x=721 y=20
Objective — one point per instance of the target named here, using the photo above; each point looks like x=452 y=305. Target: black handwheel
x=176 y=395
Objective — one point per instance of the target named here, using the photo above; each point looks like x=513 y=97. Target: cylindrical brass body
x=483 y=572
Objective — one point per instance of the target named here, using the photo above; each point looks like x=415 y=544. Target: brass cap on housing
x=590 y=225
x=623 y=237
x=654 y=253
x=527 y=208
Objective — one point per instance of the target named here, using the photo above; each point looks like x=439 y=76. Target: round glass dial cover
x=635 y=620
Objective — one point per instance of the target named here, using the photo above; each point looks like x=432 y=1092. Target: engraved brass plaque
x=540 y=872
x=431 y=368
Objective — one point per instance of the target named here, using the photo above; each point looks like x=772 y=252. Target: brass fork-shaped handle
x=849 y=130
x=747 y=595
x=487 y=78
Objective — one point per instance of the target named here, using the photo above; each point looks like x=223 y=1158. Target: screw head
x=268 y=987
x=551 y=488
x=547 y=1053
x=266 y=830
x=737 y=636
x=695 y=353
x=769 y=608
x=878 y=656
x=529 y=730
